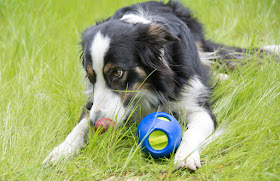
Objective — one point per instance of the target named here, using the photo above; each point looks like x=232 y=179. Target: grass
x=42 y=95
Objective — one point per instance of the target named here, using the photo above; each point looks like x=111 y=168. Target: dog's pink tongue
x=104 y=124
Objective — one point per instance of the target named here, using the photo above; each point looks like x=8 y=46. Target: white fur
x=222 y=77
x=217 y=133
x=144 y=17
x=273 y=48
x=200 y=123
x=192 y=93
x=200 y=126
x=164 y=60
x=208 y=55
x=140 y=16
x=106 y=103
x=133 y=19
x=100 y=46
x=72 y=144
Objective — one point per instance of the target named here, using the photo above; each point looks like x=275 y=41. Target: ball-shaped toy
x=103 y=124
x=159 y=134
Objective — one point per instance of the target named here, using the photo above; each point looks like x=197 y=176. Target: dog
x=149 y=57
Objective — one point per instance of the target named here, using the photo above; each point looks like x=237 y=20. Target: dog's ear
x=152 y=45
x=159 y=35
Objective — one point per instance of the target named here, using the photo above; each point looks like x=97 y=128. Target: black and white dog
x=150 y=57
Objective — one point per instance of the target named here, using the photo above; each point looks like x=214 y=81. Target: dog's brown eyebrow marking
x=141 y=72
x=89 y=70
x=107 y=67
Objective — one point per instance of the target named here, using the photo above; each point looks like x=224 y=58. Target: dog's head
x=122 y=61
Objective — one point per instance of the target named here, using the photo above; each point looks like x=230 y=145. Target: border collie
x=149 y=57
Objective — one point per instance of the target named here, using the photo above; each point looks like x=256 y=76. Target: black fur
x=153 y=51
x=176 y=32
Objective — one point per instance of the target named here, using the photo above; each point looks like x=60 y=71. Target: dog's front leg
x=199 y=128
x=73 y=142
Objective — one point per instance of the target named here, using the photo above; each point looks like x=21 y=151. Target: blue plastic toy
x=159 y=134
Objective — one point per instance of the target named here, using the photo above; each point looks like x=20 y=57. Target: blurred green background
x=41 y=94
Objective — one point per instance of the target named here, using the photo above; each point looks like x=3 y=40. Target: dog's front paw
x=63 y=150
x=191 y=162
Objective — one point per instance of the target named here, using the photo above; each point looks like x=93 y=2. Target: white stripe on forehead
x=99 y=48
x=105 y=102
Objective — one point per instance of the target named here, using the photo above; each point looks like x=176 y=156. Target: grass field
x=41 y=94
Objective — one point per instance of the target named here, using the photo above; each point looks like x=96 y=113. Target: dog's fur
x=150 y=57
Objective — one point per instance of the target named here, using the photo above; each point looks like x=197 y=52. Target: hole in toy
x=158 y=140
x=164 y=119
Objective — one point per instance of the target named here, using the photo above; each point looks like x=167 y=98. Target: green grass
x=41 y=95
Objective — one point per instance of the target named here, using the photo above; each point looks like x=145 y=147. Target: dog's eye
x=118 y=73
